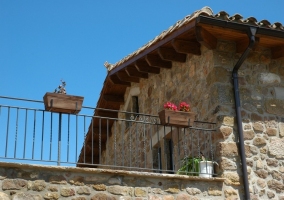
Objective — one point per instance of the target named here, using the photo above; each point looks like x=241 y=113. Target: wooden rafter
x=185 y=46
x=143 y=66
x=132 y=71
x=277 y=52
x=122 y=75
x=156 y=61
x=205 y=38
x=115 y=80
x=113 y=98
x=171 y=55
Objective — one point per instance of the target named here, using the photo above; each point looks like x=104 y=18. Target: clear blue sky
x=44 y=41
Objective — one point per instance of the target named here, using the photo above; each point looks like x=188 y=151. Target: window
x=131 y=105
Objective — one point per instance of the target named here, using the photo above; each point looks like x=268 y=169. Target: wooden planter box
x=62 y=103
x=176 y=118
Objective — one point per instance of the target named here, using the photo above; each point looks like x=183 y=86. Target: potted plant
x=195 y=166
x=177 y=116
x=59 y=101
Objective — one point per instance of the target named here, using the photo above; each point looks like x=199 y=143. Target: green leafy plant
x=190 y=166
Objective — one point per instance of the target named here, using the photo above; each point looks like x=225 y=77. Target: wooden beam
x=115 y=80
x=156 y=61
x=171 y=55
x=205 y=38
x=187 y=27
x=123 y=76
x=242 y=45
x=277 y=52
x=132 y=71
x=185 y=46
x=113 y=98
x=143 y=66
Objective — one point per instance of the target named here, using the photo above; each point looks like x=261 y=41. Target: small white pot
x=206 y=169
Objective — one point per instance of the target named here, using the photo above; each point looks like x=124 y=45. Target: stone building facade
x=203 y=50
x=205 y=81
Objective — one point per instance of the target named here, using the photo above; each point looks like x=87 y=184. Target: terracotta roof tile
x=207 y=11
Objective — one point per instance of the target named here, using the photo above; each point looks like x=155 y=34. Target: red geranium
x=170 y=106
x=183 y=106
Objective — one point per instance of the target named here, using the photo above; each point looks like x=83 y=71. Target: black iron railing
x=114 y=139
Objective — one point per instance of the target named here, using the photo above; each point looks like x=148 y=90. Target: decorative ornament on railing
x=144 y=119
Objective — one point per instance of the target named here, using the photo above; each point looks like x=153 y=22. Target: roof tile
x=207 y=11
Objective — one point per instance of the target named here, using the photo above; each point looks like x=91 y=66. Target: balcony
x=110 y=139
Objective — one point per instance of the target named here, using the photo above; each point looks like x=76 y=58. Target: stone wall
x=31 y=182
x=261 y=89
x=183 y=82
x=205 y=81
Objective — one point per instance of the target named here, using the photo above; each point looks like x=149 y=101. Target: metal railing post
x=59 y=139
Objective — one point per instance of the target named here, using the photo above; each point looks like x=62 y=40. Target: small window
x=133 y=107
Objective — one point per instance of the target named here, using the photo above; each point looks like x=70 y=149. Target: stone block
x=173 y=190
x=14 y=184
x=232 y=178
x=270 y=194
x=83 y=191
x=275 y=185
x=4 y=196
x=218 y=74
x=276 y=175
x=193 y=191
x=185 y=197
x=99 y=187
x=140 y=191
x=51 y=195
x=168 y=197
x=258 y=126
x=226 y=131
x=259 y=141
x=276 y=147
x=228 y=149
x=269 y=79
x=230 y=192
x=27 y=196
x=259 y=164
x=249 y=134
x=53 y=188
x=38 y=185
x=281 y=129
x=272 y=162
x=261 y=173
x=120 y=190
x=227 y=164
x=274 y=106
x=58 y=180
x=271 y=131
x=103 y=196
x=67 y=192
x=261 y=183
x=214 y=191
x=154 y=197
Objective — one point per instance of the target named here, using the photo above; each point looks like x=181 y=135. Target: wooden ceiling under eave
x=172 y=48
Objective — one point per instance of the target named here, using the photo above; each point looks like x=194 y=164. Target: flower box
x=62 y=103
x=176 y=118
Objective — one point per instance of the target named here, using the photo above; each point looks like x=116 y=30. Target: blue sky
x=42 y=42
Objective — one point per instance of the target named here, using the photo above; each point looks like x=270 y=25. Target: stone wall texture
x=28 y=182
x=205 y=81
